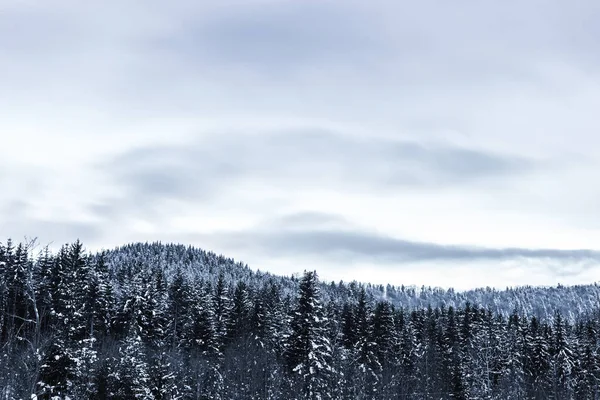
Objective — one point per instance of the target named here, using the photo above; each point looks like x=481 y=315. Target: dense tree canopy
x=153 y=321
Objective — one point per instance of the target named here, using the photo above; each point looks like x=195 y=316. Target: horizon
x=36 y=250
x=445 y=145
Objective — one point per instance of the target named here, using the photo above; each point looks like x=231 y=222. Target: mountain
x=167 y=321
x=541 y=302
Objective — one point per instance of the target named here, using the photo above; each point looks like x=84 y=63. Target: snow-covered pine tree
x=365 y=368
x=513 y=378
x=562 y=362
x=130 y=377
x=411 y=350
x=178 y=303
x=385 y=339
x=536 y=358
x=237 y=369
x=587 y=379
x=15 y=278
x=308 y=351
x=83 y=383
x=198 y=331
x=238 y=324
x=161 y=372
x=452 y=358
x=67 y=293
x=267 y=328
x=100 y=301
x=221 y=310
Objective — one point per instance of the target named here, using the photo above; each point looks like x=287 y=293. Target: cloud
x=205 y=168
x=349 y=252
x=289 y=243
x=275 y=37
x=344 y=246
x=151 y=120
x=309 y=219
x=18 y=222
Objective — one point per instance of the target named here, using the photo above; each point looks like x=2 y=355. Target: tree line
x=76 y=325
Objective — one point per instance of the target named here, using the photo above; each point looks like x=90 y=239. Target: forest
x=167 y=321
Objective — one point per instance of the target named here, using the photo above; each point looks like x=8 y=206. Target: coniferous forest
x=155 y=321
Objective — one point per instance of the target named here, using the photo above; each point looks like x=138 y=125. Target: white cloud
x=81 y=84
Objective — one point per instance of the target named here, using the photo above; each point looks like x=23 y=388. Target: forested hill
x=153 y=321
x=541 y=302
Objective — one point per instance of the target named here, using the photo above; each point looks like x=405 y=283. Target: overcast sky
x=410 y=142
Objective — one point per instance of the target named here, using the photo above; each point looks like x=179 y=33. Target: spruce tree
x=384 y=337
x=130 y=377
x=308 y=351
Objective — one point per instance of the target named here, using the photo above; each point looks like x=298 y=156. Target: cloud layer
x=416 y=142
x=303 y=157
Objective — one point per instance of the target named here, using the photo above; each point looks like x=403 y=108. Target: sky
x=430 y=143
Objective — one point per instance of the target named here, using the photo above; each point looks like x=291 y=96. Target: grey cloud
x=429 y=43
x=347 y=245
x=58 y=232
x=275 y=37
x=574 y=267
x=161 y=181
x=331 y=239
x=18 y=224
x=467 y=42
x=108 y=209
x=204 y=169
x=15 y=208
x=306 y=219
x=394 y=44
x=30 y=30
x=184 y=173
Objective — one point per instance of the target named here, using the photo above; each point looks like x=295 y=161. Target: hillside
x=541 y=302
x=154 y=321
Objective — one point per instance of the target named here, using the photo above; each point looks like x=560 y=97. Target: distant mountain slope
x=541 y=302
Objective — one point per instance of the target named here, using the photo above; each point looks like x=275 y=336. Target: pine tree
x=130 y=377
x=99 y=299
x=588 y=372
x=178 y=303
x=349 y=328
x=453 y=357
x=513 y=380
x=84 y=371
x=238 y=369
x=238 y=324
x=384 y=338
x=267 y=327
x=411 y=351
x=221 y=310
x=308 y=351
x=198 y=331
x=161 y=374
x=366 y=368
x=67 y=288
x=562 y=359
x=536 y=358
x=14 y=283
